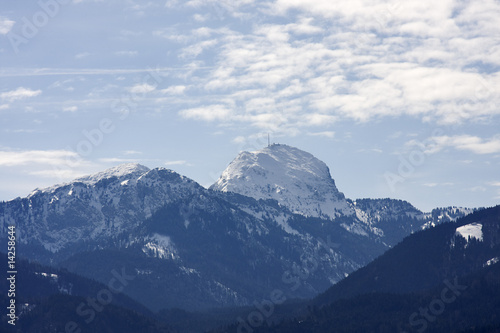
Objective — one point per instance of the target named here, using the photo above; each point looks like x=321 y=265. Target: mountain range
x=275 y=220
x=442 y=279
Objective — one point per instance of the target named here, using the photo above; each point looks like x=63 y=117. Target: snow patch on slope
x=161 y=247
x=472 y=230
x=492 y=261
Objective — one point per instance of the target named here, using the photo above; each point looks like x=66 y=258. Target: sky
x=399 y=98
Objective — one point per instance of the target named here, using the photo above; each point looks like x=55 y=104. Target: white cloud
x=4 y=106
x=196 y=49
x=171 y=3
x=83 y=1
x=436 y=62
x=132 y=152
x=5 y=25
x=316 y=119
x=59 y=165
x=83 y=55
x=269 y=121
x=172 y=35
x=304 y=27
x=220 y=8
x=178 y=162
x=116 y=160
x=24 y=130
x=437 y=184
x=58 y=173
x=326 y=134
x=239 y=139
x=128 y=35
x=395 y=135
x=47 y=157
x=126 y=53
x=46 y=71
x=208 y=113
x=470 y=143
x=143 y=88
x=477 y=189
x=174 y=90
x=381 y=59
x=200 y=18
x=66 y=85
x=72 y=108
x=19 y=93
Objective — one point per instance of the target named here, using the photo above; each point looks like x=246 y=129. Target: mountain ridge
x=174 y=230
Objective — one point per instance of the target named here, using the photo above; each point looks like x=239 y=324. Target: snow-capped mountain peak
x=124 y=172
x=295 y=178
x=121 y=171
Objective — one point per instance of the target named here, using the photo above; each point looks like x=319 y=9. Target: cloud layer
x=352 y=60
x=292 y=65
x=18 y=94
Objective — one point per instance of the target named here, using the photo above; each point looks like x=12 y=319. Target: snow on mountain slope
x=374 y=210
x=446 y=214
x=128 y=171
x=472 y=230
x=294 y=178
x=99 y=206
x=124 y=172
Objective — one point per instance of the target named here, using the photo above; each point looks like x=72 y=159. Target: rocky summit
x=294 y=178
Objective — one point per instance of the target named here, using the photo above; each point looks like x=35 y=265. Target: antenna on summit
x=268 y=140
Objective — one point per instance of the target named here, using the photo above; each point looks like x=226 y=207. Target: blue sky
x=399 y=98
